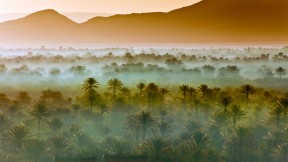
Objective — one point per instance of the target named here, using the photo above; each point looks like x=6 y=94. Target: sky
x=99 y=6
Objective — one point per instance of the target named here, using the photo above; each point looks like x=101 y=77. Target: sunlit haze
x=103 y=6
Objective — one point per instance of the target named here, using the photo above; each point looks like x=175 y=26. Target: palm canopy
x=89 y=84
x=247 y=89
x=184 y=89
x=40 y=113
x=114 y=85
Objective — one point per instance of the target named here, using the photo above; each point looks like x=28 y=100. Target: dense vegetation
x=157 y=105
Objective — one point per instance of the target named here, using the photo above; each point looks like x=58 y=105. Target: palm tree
x=17 y=136
x=125 y=92
x=184 y=89
x=236 y=114
x=247 y=89
x=40 y=113
x=141 y=87
x=281 y=71
x=24 y=98
x=146 y=122
x=225 y=102
x=239 y=145
x=163 y=92
x=114 y=85
x=89 y=87
x=152 y=94
x=204 y=89
x=275 y=113
x=191 y=92
x=55 y=124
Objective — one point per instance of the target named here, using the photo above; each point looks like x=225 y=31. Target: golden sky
x=101 y=6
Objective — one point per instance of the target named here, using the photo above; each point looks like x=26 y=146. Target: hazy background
x=88 y=8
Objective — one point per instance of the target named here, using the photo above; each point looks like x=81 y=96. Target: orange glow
x=103 y=6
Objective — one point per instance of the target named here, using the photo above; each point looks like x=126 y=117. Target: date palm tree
x=281 y=71
x=275 y=114
x=17 y=136
x=184 y=89
x=225 y=102
x=146 y=122
x=236 y=114
x=141 y=87
x=40 y=113
x=163 y=92
x=114 y=85
x=240 y=145
x=89 y=86
x=152 y=94
x=204 y=89
x=247 y=89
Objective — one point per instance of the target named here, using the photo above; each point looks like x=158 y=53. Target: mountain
x=209 y=21
x=75 y=16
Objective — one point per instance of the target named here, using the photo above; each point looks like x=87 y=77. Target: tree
x=40 y=113
x=225 y=102
x=204 y=89
x=24 y=98
x=281 y=71
x=236 y=114
x=17 y=137
x=152 y=94
x=114 y=85
x=240 y=145
x=146 y=122
x=141 y=87
x=163 y=92
x=247 y=89
x=275 y=113
x=89 y=87
x=184 y=89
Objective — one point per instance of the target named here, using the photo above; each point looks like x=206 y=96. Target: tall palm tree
x=141 y=87
x=24 y=98
x=239 y=145
x=163 y=92
x=40 y=113
x=191 y=93
x=125 y=92
x=184 y=89
x=17 y=136
x=225 y=102
x=114 y=85
x=152 y=94
x=247 y=89
x=281 y=71
x=275 y=113
x=236 y=114
x=89 y=86
x=204 y=89
x=146 y=122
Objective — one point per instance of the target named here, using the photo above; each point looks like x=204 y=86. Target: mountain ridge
x=206 y=21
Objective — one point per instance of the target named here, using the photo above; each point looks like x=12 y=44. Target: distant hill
x=75 y=16
x=209 y=21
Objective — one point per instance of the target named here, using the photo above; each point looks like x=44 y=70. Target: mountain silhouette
x=208 y=21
